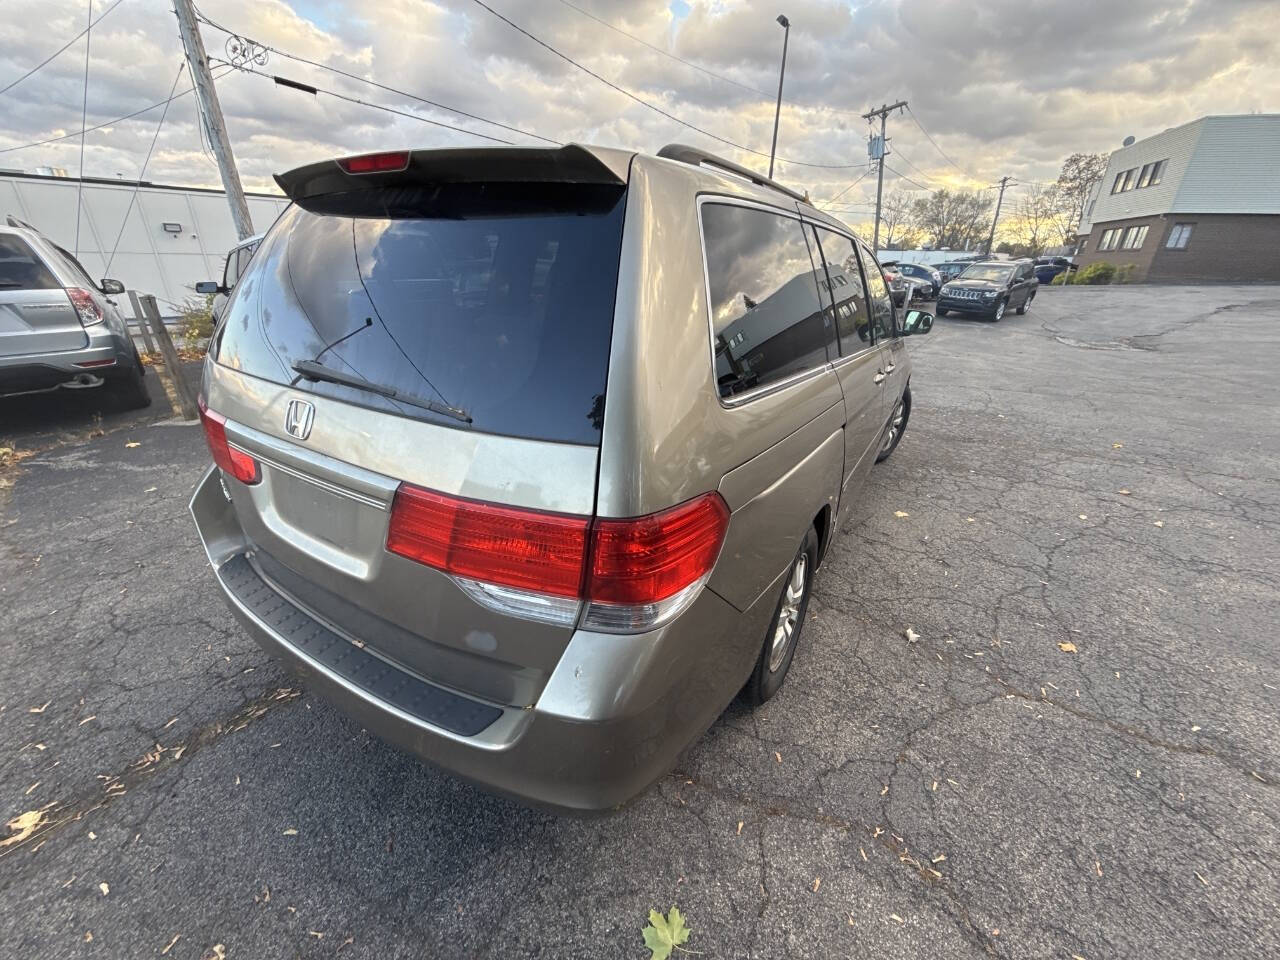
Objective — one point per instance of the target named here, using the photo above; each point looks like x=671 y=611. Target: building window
x=1157 y=171
x=1145 y=177
x=1134 y=237
x=1119 y=182
x=1179 y=236
x=1110 y=239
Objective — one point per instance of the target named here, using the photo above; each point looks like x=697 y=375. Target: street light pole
x=777 y=113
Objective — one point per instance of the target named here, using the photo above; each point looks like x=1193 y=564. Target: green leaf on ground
x=663 y=934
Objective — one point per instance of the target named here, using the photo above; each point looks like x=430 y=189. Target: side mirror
x=916 y=322
x=111 y=287
x=210 y=286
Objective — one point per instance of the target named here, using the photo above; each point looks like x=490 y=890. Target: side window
x=848 y=296
x=767 y=320
x=76 y=268
x=878 y=293
x=243 y=256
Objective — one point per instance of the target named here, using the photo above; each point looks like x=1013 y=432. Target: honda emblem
x=298 y=417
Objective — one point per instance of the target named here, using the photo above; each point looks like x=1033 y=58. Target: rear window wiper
x=310 y=370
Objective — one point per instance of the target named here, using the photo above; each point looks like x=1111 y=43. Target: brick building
x=1196 y=203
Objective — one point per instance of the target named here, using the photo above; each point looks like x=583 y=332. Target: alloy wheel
x=895 y=426
x=788 y=623
x=999 y=310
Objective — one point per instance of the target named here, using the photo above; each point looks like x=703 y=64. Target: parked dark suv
x=989 y=289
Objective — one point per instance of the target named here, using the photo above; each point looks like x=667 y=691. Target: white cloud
x=1008 y=86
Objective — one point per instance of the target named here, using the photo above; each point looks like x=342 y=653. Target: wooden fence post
x=142 y=321
x=180 y=396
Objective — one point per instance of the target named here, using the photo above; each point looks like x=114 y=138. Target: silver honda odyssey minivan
x=527 y=458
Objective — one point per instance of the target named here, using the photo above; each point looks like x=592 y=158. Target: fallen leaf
x=22 y=826
x=131 y=444
x=1123 y=493
x=777 y=756
x=1083 y=516
x=663 y=934
x=290 y=832
x=92 y=716
x=316 y=933
x=346 y=942
x=863 y=852
x=41 y=708
x=216 y=952
x=939 y=858
x=900 y=514
x=995 y=932
x=1200 y=878
x=31 y=788
x=40 y=746
x=88 y=936
x=935 y=786
x=169 y=946
x=149 y=490
x=817 y=882
x=92 y=835
x=1068 y=647
x=1137 y=774
x=1159 y=523
x=1097 y=865
x=912 y=636
x=1117 y=446
x=740 y=827
x=1194 y=729
x=894 y=916
x=104 y=888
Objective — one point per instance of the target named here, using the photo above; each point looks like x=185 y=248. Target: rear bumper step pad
x=337 y=655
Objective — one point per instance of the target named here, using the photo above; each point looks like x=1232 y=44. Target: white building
x=173 y=238
x=1193 y=203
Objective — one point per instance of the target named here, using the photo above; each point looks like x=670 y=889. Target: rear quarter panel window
x=767 y=320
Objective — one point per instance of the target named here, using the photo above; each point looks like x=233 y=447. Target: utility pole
x=882 y=113
x=782 y=73
x=1004 y=181
x=211 y=111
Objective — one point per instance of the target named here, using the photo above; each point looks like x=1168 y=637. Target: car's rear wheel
x=131 y=387
x=897 y=426
x=998 y=312
x=1026 y=304
x=784 y=629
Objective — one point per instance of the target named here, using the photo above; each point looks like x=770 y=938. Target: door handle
x=879 y=377
x=889 y=367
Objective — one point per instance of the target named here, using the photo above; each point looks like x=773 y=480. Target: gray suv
x=58 y=328
x=527 y=458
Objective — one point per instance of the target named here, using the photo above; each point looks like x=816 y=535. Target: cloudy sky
x=1001 y=87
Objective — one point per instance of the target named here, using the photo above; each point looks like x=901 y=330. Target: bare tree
x=1037 y=217
x=1080 y=172
x=896 y=228
x=954 y=219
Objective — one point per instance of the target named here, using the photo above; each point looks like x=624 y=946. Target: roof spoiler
x=567 y=164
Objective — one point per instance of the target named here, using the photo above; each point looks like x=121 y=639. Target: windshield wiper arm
x=310 y=370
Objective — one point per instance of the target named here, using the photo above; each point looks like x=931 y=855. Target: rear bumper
x=613 y=718
x=106 y=356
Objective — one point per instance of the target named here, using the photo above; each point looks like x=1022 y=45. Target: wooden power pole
x=1004 y=182
x=882 y=113
x=211 y=111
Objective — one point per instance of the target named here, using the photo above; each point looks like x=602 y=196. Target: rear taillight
x=235 y=462
x=483 y=541
x=632 y=574
x=85 y=306
x=391 y=162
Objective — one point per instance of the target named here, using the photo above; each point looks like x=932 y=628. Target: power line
x=107 y=123
x=938 y=148
x=865 y=174
x=61 y=49
x=669 y=56
x=902 y=176
x=656 y=109
x=143 y=172
x=84 y=114
x=374 y=83
x=312 y=89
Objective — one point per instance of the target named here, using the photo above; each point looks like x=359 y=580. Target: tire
x=775 y=658
x=1026 y=305
x=998 y=312
x=897 y=427
x=131 y=388
x=941 y=312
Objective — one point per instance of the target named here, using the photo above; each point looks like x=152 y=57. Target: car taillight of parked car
x=620 y=575
x=86 y=308
x=235 y=462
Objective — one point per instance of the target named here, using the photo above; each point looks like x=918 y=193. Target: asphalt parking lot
x=1076 y=756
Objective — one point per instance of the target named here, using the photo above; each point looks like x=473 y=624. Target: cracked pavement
x=1103 y=472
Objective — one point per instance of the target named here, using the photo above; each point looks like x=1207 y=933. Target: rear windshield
x=498 y=305
x=20 y=268
x=984 y=272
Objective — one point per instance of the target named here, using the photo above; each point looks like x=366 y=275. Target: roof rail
x=699 y=158
x=13 y=221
